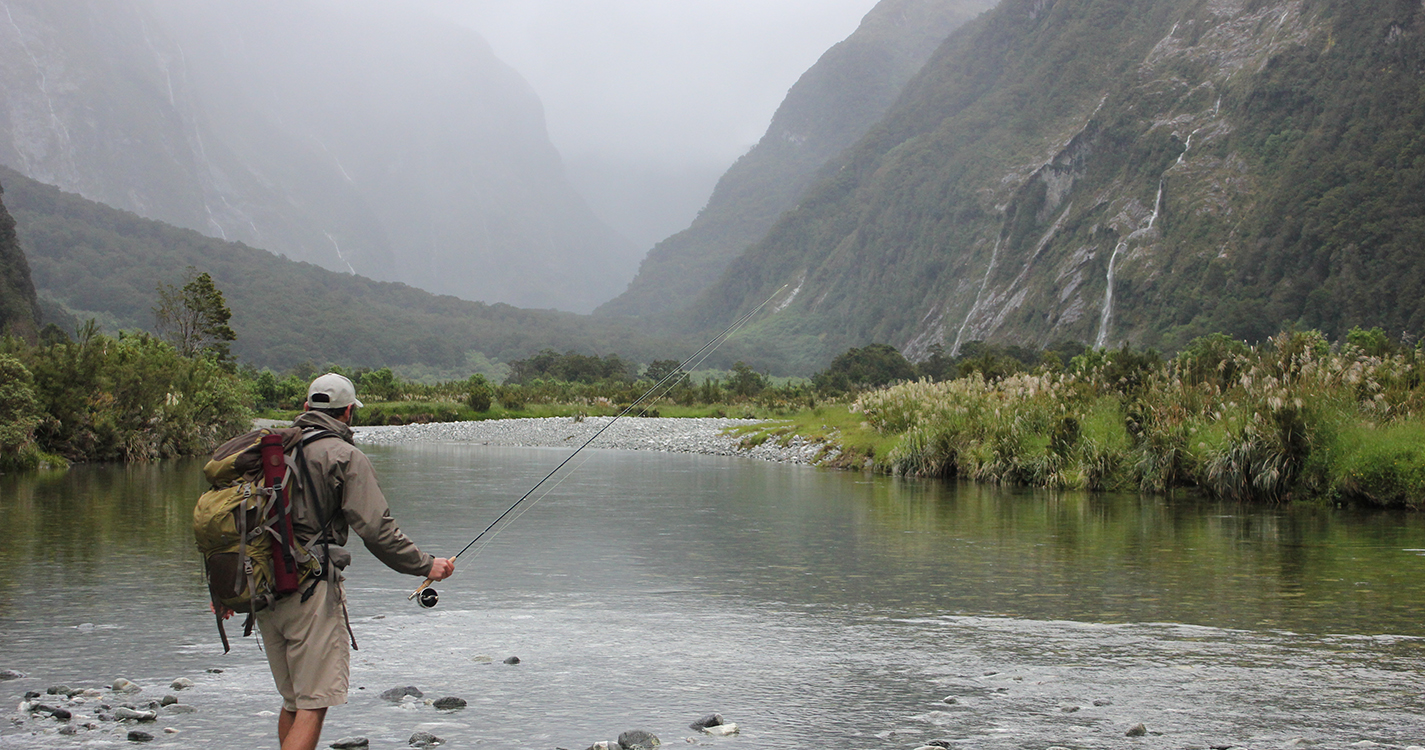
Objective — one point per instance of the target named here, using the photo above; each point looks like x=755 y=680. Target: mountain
x=351 y=134
x=19 y=307
x=1110 y=171
x=93 y=261
x=831 y=106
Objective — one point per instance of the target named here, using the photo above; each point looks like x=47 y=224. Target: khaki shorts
x=307 y=648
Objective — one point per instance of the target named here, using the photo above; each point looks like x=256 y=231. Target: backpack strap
x=322 y=536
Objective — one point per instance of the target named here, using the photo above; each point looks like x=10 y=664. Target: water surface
x=812 y=607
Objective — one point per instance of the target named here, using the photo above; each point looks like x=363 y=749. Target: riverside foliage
x=1291 y=419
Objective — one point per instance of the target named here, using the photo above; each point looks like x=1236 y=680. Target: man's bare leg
x=300 y=729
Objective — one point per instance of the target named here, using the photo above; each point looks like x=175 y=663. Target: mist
x=650 y=101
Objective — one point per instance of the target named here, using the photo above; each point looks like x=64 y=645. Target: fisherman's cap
x=332 y=391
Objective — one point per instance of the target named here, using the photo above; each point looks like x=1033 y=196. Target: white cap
x=332 y=391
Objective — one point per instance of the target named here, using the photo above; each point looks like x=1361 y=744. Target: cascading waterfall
x=60 y=130
x=1105 y=320
x=994 y=258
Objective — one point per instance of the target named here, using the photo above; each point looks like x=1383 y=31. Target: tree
x=194 y=319
x=746 y=381
x=872 y=366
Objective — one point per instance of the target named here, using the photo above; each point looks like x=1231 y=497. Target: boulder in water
x=711 y=720
x=1138 y=730
x=637 y=739
x=122 y=685
x=10 y=674
x=181 y=683
x=513 y=660
x=168 y=700
x=123 y=712
x=137 y=736
x=395 y=694
x=450 y=703
x=722 y=730
x=425 y=739
x=351 y=743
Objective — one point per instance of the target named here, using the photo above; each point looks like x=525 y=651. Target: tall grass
x=1291 y=419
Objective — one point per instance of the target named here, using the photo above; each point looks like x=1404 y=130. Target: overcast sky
x=650 y=101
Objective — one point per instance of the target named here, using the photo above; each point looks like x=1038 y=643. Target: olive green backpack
x=237 y=524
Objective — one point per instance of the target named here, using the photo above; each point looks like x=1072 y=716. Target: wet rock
x=69 y=729
x=63 y=690
x=179 y=708
x=32 y=694
x=950 y=700
x=122 y=685
x=395 y=694
x=425 y=739
x=168 y=700
x=722 y=730
x=1101 y=702
x=214 y=670
x=123 y=713
x=450 y=703
x=137 y=736
x=513 y=660
x=350 y=743
x=1138 y=730
x=10 y=674
x=637 y=739
x=711 y=720
x=940 y=743
x=604 y=745
x=1068 y=708
x=58 y=713
x=181 y=683
x=170 y=730
x=92 y=693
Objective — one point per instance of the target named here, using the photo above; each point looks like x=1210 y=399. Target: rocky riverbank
x=711 y=436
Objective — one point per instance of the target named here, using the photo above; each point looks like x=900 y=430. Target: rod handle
x=423 y=587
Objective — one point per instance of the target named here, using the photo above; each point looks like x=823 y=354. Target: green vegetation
x=19 y=307
x=1292 y=419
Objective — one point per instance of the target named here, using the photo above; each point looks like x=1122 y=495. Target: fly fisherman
x=306 y=637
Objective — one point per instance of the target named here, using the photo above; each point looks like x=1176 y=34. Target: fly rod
x=428 y=596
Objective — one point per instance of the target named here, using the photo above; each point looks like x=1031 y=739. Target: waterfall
x=1105 y=320
x=994 y=258
x=59 y=129
x=338 y=252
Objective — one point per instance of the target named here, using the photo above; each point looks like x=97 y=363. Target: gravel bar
x=674 y=435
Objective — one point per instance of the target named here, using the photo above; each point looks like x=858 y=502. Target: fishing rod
x=427 y=597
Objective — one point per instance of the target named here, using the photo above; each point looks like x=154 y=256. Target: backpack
x=243 y=525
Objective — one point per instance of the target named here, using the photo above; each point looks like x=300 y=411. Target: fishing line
x=429 y=600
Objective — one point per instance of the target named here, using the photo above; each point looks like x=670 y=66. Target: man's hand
x=226 y=613
x=441 y=569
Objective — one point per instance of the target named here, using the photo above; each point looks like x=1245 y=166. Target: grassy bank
x=1293 y=419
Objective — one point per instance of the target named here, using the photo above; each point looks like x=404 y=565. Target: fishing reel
x=427 y=598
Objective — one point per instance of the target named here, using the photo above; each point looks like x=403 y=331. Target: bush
x=481 y=394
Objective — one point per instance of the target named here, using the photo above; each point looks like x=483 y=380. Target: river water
x=813 y=608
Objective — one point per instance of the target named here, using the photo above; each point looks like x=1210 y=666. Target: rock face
x=393 y=145
x=1183 y=170
x=833 y=104
x=19 y=307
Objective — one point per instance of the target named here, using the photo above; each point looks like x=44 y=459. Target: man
x=306 y=641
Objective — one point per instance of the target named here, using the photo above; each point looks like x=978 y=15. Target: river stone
x=711 y=720
x=168 y=700
x=395 y=694
x=63 y=690
x=721 y=730
x=604 y=745
x=1101 y=702
x=181 y=682
x=69 y=729
x=121 y=713
x=32 y=694
x=1138 y=730
x=637 y=739
x=513 y=660
x=180 y=708
x=122 y=685
x=940 y=743
x=10 y=674
x=450 y=703
x=425 y=739
x=137 y=736
x=950 y=700
x=349 y=743
x=214 y=670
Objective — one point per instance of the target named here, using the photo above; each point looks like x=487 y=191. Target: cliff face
x=19 y=308
x=1109 y=171
x=833 y=104
x=353 y=135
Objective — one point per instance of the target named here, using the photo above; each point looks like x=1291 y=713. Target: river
x=814 y=608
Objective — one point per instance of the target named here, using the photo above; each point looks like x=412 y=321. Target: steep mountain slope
x=355 y=135
x=19 y=308
x=829 y=108
x=1115 y=170
x=96 y=261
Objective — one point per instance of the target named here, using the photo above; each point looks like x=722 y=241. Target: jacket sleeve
x=369 y=515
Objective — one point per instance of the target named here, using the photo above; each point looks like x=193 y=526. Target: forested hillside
x=358 y=136
x=829 y=108
x=1115 y=171
x=19 y=309
x=100 y=262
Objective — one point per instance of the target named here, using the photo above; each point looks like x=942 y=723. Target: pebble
x=950 y=700
x=350 y=743
x=170 y=730
x=168 y=700
x=121 y=713
x=137 y=736
x=1103 y=702
x=425 y=739
x=605 y=745
x=122 y=685
x=214 y=670
x=395 y=694
x=69 y=729
x=637 y=739
x=711 y=720
x=181 y=683
x=10 y=674
x=674 y=435
x=513 y=660
x=1138 y=730
x=63 y=690
x=450 y=703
